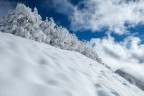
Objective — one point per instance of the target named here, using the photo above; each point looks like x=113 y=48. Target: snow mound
x=29 y=68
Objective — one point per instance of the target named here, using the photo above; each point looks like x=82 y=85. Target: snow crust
x=29 y=68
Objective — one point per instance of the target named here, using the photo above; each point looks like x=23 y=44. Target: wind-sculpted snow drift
x=25 y=23
x=29 y=68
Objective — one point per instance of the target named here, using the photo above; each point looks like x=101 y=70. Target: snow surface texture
x=30 y=68
x=132 y=76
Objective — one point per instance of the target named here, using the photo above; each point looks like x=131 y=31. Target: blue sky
x=56 y=9
x=115 y=27
x=50 y=8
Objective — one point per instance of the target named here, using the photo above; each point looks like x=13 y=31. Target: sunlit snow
x=30 y=68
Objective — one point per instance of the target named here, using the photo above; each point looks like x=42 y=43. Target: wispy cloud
x=61 y=6
x=130 y=52
x=95 y=15
x=5 y=6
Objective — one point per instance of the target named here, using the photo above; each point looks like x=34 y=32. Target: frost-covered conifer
x=25 y=23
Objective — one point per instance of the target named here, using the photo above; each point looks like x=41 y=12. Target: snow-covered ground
x=133 y=75
x=29 y=68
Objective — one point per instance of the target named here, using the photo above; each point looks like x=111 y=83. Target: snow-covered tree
x=25 y=23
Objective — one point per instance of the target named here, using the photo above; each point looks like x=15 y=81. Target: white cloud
x=127 y=53
x=111 y=14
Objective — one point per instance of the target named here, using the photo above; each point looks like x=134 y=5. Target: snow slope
x=133 y=75
x=29 y=68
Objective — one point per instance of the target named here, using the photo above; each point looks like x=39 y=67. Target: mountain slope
x=132 y=75
x=30 y=68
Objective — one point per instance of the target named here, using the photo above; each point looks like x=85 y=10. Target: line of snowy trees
x=25 y=23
